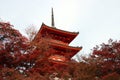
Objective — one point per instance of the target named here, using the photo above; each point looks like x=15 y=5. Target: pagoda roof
x=61 y=47
x=66 y=34
x=54 y=29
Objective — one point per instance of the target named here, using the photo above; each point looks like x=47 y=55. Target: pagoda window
x=61 y=38
x=57 y=58
x=43 y=35
x=46 y=33
x=0 y=26
x=52 y=35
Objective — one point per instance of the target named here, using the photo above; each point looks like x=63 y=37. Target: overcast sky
x=96 y=20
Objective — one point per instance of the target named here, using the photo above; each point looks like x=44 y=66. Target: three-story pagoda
x=59 y=41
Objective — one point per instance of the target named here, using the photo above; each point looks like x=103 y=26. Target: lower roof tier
x=65 y=50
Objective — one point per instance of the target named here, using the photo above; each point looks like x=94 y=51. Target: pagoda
x=58 y=41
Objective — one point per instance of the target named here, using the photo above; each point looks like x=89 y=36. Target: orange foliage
x=24 y=60
x=109 y=58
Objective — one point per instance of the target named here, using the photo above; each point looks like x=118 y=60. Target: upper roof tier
x=56 y=34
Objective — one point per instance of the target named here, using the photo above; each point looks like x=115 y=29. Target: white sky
x=96 y=20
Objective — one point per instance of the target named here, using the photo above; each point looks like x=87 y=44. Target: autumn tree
x=12 y=45
x=109 y=57
x=15 y=54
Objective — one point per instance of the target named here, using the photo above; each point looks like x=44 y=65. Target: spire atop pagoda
x=52 y=17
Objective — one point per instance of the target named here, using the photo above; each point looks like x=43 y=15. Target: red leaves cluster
x=17 y=55
x=24 y=60
x=109 y=58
